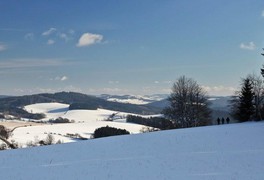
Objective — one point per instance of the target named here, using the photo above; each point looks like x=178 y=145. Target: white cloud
x=3 y=47
x=156 y=82
x=19 y=90
x=88 y=39
x=107 y=90
x=249 y=46
x=262 y=13
x=220 y=90
x=60 y=78
x=64 y=78
x=56 y=34
x=50 y=42
x=64 y=36
x=37 y=90
x=29 y=36
x=49 y=32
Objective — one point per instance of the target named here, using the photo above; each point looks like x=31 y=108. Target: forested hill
x=76 y=101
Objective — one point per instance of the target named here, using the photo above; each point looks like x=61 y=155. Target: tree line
x=248 y=103
x=189 y=106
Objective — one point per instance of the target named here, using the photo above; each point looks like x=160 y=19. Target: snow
x=51 y=110
x=55 y=110
x=23 y=135
x=130 y=101
x=134 y=99
x=47 y=107
x=85 y=123
x=229 y=152
x=212 y=99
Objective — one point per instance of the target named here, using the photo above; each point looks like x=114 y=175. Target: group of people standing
x=219 y=121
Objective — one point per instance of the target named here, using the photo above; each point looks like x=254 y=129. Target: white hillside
x=47 y=107
x=23 y=135
x=55 y=110
x=227 y=152
x=85 y=123
x=51 y=110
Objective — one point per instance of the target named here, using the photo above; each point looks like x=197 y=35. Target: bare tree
x=5 y=133
x=188 y=104
x=258 y=90
x=49 y=139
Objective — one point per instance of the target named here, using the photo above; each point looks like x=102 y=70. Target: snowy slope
x=85 y=123
x=51 y=110
x=55 y=110
x=227 y=152
x=23 y=135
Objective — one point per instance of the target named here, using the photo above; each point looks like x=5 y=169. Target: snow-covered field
x=23 y=135
x=55 y=110
x=85 y=123
x=225 y=152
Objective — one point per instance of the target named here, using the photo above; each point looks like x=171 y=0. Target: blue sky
x=128 y=47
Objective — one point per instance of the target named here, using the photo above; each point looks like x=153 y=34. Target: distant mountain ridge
x=3 y=96
x=134 y=99
x=218 y=104
x=14 y=105
x=160 y=100
x=146 y=105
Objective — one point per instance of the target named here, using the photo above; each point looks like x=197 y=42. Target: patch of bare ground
x=16 y=123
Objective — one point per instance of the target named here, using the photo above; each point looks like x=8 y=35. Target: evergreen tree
x=109 y=131
x=245 y=108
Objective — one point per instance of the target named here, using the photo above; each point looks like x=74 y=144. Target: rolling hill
x=81 y=122
x=144 y=105
x=14 y=105
x=206 y=153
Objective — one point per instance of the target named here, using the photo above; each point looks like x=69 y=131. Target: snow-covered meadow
x=55 y=110
x=224 y=152
x=85 y=123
